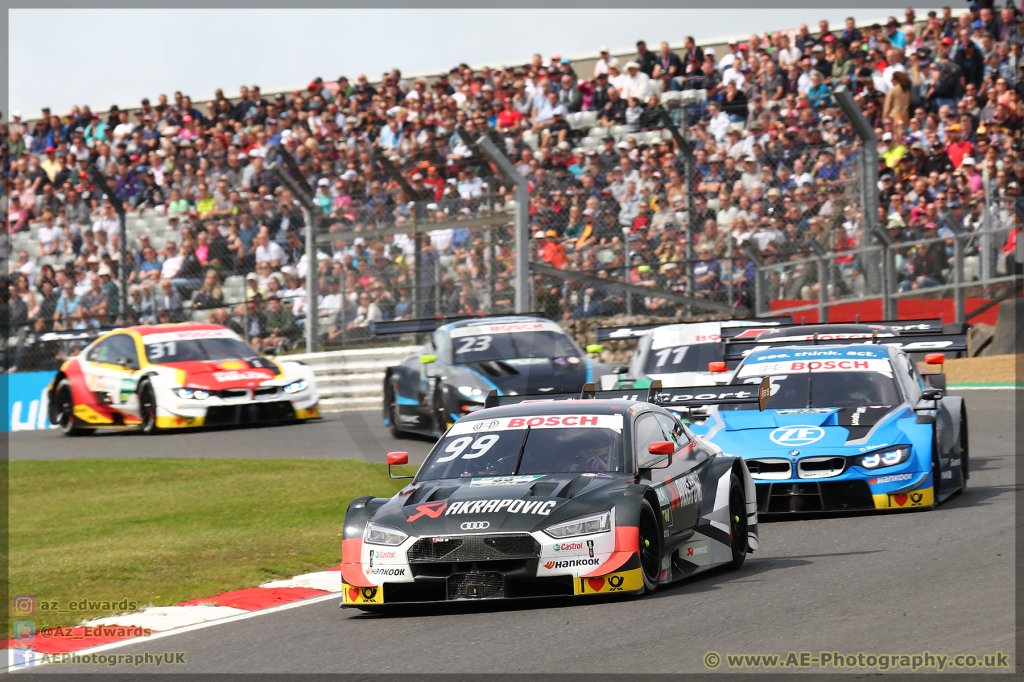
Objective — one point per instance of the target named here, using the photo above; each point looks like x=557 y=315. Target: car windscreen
x=508 y=346
x=534 y=445
x=693 y=358
x=831 y=383
x=188 y=350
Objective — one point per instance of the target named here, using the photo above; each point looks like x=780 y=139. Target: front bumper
x=244 y=410
x=509 y=565
x=483 y=585
x=809 y=496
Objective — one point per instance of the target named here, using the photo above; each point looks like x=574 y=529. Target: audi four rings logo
x=475 y=525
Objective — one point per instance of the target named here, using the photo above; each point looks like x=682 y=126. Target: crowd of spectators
x=774 y=167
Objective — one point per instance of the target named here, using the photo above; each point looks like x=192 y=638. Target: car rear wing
x=76 y=334
x=636 y=331
x=429 y=324
x=738 y=349
x=696 y=396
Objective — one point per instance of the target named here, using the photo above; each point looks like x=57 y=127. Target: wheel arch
x=51 y=394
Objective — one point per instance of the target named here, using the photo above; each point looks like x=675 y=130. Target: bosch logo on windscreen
x=795 y=436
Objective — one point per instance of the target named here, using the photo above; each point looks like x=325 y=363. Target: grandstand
x=770 y=174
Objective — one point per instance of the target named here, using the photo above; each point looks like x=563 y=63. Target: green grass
x=161 y=531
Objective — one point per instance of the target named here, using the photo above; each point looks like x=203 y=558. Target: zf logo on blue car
x=791 y=436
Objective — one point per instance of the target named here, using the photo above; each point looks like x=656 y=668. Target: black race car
x=550 y=496
x=464 y=360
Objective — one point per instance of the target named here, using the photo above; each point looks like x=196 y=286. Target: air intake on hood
x=544 y=488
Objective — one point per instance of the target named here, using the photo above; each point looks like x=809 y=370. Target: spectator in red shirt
x=509 y=118
x=956 y=148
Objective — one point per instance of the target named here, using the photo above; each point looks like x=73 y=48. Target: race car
x=549 y=497
x=678 y=355
x=853 y=426
x=464 y=360
x=177 y=376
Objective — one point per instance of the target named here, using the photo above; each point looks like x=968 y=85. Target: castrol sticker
x=558 y=421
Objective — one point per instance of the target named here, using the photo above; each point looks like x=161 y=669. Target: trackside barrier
x=27 y=404
x=351 y=379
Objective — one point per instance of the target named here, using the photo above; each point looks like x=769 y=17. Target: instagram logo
x=24 y=605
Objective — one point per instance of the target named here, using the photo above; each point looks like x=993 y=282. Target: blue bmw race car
x=851 y=427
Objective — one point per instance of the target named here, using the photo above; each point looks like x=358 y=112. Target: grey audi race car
x=603 y=492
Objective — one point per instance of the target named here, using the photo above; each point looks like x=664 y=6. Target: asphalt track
x=339 y=435
x=940 y=581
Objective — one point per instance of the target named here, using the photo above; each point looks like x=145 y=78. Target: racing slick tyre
x=650 y=546
x=391 y=400
x=737 y=522
x=147 y=408
x=69 y=424
x=440 y=416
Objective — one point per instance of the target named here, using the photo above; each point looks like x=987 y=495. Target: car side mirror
x=936 y=381
x=717 y=367
x=658 y=447
x=428 y=359
x=595 y=348
x=931 y=394
x=620 y=369
x=397 y=459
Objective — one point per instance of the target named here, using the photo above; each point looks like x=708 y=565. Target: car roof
x=476 y=321
x=557 y=407
x=147 y=329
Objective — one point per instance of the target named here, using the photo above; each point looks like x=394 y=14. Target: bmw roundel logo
x=799 y=435
x=794 y=453
x=475 y=525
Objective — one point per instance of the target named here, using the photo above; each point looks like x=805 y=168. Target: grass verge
x=161 y=531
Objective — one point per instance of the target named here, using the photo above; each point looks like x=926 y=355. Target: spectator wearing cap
x=957 y=148
x=635 y=82
x=606 y=60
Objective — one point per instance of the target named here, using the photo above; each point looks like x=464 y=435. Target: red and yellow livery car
x=177 y=376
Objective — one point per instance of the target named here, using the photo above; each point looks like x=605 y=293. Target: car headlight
x=886 y=457
x=192 y=393
x=296 y=386
x=376 y=534
x=472 y=393
x=583 y=525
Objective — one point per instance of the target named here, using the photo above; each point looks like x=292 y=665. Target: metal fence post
x=959 y=311
x=122 y=270
x=686 y=151
x=760 y=289
x=729 y=288
x=985 y=244
x=437 y=287
x=525 y=293
x=308 y=203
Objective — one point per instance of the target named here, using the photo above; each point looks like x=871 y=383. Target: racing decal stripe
x=915 y=499
x=352 y=563
x=627 y=544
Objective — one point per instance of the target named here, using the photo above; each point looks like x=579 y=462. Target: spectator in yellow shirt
x=207 y=203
